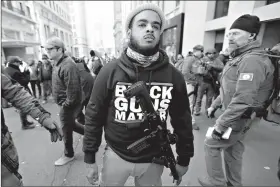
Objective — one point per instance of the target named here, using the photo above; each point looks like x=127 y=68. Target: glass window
x=268 y=2
x=177 y=3
x=28 y=11
x=221 y=9
x=169 y=40
x=62 y=35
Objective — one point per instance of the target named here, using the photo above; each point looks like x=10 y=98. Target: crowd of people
x=97 y=87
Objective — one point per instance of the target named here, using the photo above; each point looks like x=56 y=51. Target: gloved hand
x=210 y=112
x=217 y=135
x=53 y=128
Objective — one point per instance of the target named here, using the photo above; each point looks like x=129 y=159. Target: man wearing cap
x=122 y=118
x=14 y=72
x=67 y=94
x=207 y=81
x=191 y=76
x=46 y=76
x=246 y=84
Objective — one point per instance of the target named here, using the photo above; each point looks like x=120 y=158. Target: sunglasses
x=49 y=49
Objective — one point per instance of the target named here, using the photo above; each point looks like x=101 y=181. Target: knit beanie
x=249 y=23
x=147 y=6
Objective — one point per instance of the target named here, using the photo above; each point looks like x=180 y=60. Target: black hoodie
x=109 y=108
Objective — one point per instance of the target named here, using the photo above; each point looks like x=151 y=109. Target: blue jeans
x=67 y=119
x=115 y=171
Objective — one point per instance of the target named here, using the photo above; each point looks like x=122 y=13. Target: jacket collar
x=252 y=45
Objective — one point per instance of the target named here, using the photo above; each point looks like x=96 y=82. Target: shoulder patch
x=246 y=76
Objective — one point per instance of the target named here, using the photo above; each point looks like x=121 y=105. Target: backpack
x=271 y=110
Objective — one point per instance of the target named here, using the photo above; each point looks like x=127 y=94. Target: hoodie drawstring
x=150 y=78
x=137 y=74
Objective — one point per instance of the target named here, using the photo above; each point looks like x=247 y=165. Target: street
x=37 y=155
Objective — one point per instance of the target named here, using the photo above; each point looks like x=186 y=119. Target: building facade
x=19 y=30
x=206 y=22
x=214 y=18
x=118 y=34
x=77 y=12
x=53 y=18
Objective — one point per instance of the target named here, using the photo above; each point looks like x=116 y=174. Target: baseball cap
x=199 y=48
x=54 y=42
x=14 y=59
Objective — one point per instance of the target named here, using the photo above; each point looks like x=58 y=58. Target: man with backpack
x=246 y=85
x=67 y=94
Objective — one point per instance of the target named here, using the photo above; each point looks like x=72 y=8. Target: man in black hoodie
x=121 y=118
x=22 y=78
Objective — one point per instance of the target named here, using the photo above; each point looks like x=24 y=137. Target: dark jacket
x=22 y=100
x=109 y=108
x=94 y=65
x=46 y=71
x=214 y=67
x=34 y=73
x=87 y=81
x=14 y=72
x=246 y=81
x=66 y=83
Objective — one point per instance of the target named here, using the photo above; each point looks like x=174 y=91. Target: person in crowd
x=27 y=104
x=46 y=77
x=22 y=78
x=246 y=84
x=34 y=77
x=180 y=62
x=121 y=119
x=67 y=94
x=87 y=81
x=207 y=81
x=191 y=75
x=94 y=64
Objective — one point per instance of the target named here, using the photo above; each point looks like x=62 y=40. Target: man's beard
x=146 y=52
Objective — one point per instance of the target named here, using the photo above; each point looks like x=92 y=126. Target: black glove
x=216 y=135
x=53 y=128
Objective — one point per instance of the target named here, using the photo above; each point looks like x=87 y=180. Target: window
x=28 y=11
x=268 y=2
x=70 y=39
x=61 y=35
x=177 y=3
x=21 y=7
x=221 y=9
x=56 y=32
x=53 y=5
x=50 y=4
x=47 y=31
x=66 y=37
x=219 y=40
x=56 y=7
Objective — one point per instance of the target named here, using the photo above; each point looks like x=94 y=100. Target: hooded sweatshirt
x=122 y=118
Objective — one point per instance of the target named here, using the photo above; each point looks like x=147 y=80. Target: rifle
x=11 y=165
x=157 y=134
